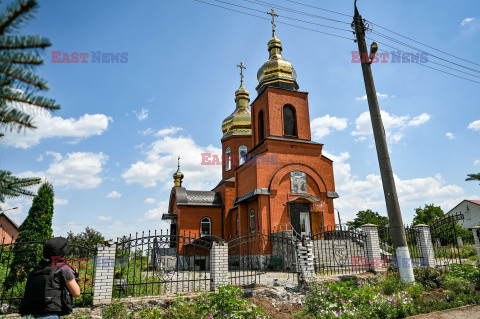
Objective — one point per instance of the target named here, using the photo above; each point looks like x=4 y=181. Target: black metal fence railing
x=445 y=233
x=152 y=263
x=338 y=252
x=388 y=252
x=18 y=259
x=252 y=256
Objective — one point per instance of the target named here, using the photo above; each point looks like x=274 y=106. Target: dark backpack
x=44 y=295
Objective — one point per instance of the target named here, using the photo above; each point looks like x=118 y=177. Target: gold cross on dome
x=241 y=71
x=273 y=14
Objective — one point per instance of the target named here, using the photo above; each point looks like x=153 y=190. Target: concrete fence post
x=425 y=246
x=306 y=268
x=372 y=247
x=218 y=265
x=104 y=273
x=460 y=241
x=476 y=238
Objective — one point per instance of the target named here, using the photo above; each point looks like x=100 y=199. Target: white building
x=470 y=210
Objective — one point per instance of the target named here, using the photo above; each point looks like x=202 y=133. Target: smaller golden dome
x=276 y=71
x=240 y=121
x=178 y=176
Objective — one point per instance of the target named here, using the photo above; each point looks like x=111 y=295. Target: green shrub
x=430 y=278
x=458 y=285
x=116 y=310
x=391 y=283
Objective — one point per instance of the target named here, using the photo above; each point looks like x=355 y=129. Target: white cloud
x=49 y=126
x=367 y=193
x=450 y=136
x=168 y=131
x=155 y=213
x=78 y=170
x=104 y=217
x=160 y=162
x=59 y=201
x=143 y=115
x=323 y=126
x=150 y=200
x=476 y=162
x=475 y=125
x=466 y=21
x=379 y=95
x=394 y=125
x=114 y=194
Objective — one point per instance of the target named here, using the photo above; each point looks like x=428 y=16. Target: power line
x=318 y=8
x=430 y=67
x=415 y=48
x=286 y=17
x=269 y=4
x=343 y=37
x=442 y=65
x=264 y=18
x=426 y=45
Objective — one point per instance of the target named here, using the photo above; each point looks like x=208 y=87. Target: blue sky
x=111 y=150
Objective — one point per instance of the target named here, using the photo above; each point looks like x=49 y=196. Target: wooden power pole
x=389 y=189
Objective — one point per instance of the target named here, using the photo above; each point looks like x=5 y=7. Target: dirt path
x=467 y=312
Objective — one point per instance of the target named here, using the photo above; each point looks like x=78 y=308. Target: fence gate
x=18 y=259
x=388 y=251
x=159 y=263
x=444 y=239
x=338 y=252
x=263 y=259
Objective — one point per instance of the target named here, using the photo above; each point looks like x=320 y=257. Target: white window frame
x=228 y=159
x=253 y=225
x=241 y=159
x=206 y=220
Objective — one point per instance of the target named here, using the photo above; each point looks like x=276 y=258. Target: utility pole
x=389 y=189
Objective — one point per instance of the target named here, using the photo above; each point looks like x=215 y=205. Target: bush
x=430 y=278
x=458 y=285
x=116 y=310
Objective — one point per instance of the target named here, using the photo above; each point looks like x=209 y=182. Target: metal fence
x=18 y=259
x=154 y=263
x=338 y=252
x=386 y=245
x=445 y=232
x=263 y=258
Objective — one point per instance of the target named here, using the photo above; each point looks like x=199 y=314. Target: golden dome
x=178 y=176
x=276 y=71
x=240 y=121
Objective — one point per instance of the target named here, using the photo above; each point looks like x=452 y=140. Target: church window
x=205 y=226
x=242 y=153
x=237 y=230
x=289 y=121
x=261 y=126
x=228 y=159
x=298 y=182
x=252 y=221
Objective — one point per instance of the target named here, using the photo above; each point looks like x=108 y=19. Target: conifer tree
x=36 y=228
x=20 y=56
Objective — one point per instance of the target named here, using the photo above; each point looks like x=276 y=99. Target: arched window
x=242 y=153
x=228 y=159
x=289 y=121
x=237 y=225
x=261 y=126
x=205 y=226
x=252 y=221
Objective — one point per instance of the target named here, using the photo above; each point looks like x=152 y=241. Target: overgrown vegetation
x=226 y=303
x=389 y=297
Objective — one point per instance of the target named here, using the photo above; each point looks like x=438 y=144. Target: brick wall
x=104 y=273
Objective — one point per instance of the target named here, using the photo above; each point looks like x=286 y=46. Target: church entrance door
x=300 y=218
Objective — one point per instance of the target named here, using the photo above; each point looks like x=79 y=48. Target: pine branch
x=11 y=95
x=10 y=42
x=15 y=118
x=21 y=74
x=16 y=14
x=25 y=58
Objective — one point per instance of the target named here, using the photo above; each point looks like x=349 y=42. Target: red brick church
x=274 y=177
